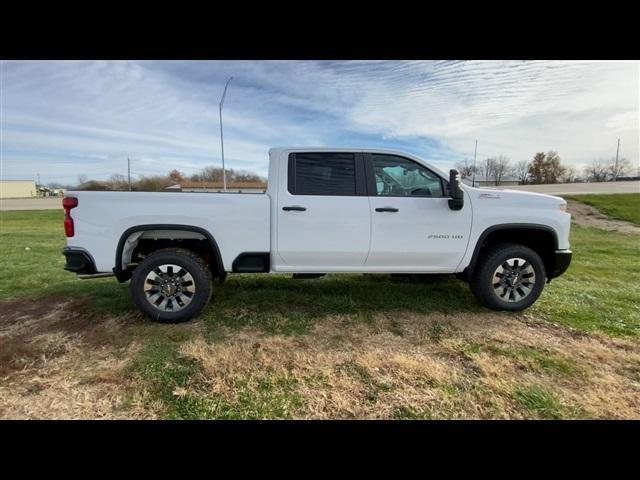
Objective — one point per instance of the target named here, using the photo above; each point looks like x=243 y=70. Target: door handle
x=294 y=208
x=387 y=209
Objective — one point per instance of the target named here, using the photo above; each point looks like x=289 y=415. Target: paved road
x=47 y=203
x=577 y=188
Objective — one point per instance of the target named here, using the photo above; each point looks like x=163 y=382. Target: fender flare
x=124 y=275
x=505 y=226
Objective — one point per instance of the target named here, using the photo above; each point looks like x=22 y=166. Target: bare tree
x=486 y=168
x=465 y=168
x=211 y=174
x=214 y=174
x=521 y=171
x=153 y=183
x=596 y=171
x=622 y=169
x=246 y=176
x=501 y=167
x=93 y=185
x=118 y=182
x=569 y=175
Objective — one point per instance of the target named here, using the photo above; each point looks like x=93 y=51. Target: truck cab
x=363 y=211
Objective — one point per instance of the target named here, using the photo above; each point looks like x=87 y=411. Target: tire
x=503 y=282
x=169 y=296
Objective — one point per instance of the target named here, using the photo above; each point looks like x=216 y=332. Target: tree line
x=545 y=167
x=155 y=183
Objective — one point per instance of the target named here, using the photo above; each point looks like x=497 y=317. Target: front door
x=412 y=227
x=323 y=220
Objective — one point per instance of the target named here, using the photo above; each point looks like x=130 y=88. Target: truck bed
x=239 y=222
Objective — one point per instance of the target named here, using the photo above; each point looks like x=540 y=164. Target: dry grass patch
x=82 y=383
x=478 y=366
x=58 y=360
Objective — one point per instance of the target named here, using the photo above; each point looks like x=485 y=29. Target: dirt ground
x=588 y=216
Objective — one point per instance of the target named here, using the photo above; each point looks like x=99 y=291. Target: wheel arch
x=542 y=239
x=124 y=274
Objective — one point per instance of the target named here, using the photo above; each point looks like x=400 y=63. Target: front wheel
x=171 y=285
x=509 y=277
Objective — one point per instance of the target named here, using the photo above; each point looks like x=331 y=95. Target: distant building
x=212 y=187
x=18 y=189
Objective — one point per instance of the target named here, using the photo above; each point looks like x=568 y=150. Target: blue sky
x=63 y=119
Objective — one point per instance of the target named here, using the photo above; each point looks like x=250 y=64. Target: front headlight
x=563 y=207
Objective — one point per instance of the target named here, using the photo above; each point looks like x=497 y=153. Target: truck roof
x=339 y=149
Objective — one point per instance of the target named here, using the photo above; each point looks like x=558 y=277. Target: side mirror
x=456 y=202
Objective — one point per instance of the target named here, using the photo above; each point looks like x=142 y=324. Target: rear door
x=323 y=216
x=412 y=227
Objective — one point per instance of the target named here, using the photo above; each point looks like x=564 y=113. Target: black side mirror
x=456 y=202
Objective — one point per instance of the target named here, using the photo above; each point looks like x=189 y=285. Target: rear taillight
x=68 y=203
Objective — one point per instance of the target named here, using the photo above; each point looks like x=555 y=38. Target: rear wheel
x=171 y=285
x=509 y=277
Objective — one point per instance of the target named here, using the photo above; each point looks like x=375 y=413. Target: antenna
x=224 y=173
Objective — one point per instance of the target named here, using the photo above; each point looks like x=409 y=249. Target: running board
x=96 y=275
x=303 y=276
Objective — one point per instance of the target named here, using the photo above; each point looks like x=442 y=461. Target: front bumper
x=561 y=262
x=79 y=261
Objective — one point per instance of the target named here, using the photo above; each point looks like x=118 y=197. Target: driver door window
x=400 y=177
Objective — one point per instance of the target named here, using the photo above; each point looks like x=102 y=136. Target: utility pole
x=615 y=171
x=129 y=172
x=224 y=173
x=475 y=151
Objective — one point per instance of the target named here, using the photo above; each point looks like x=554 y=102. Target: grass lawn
x=31 y=244
x=348 y=346
x=621 y=206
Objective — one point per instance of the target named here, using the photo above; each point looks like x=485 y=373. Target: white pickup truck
x=325 y=210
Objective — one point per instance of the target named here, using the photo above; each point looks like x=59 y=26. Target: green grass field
x=622 y=206
x=351 y=346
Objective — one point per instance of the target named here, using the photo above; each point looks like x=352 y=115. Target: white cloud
x=64 y=118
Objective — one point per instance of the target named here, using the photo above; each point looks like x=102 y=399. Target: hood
x=518 y=197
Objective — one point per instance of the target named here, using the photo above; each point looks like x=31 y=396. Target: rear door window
x=322 y=174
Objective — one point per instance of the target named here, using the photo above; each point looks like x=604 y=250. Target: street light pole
x=224 y=173
x=615 y=168
x=475 y=151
